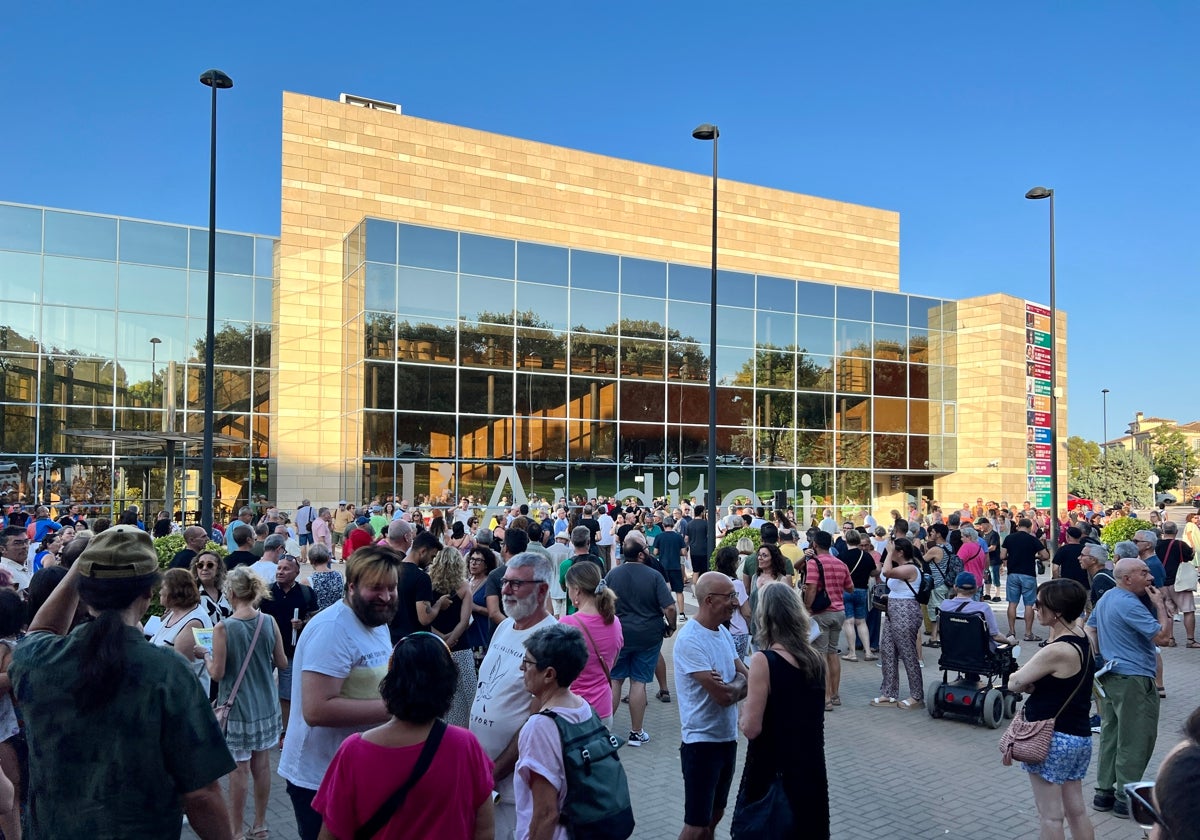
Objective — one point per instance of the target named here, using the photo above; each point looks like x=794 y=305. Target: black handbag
x=770 y=816
x=820 y=601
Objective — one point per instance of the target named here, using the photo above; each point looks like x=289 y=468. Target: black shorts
x=707 y=775
x=675 y=579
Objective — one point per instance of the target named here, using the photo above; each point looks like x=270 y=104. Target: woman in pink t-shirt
x=452 y=800
x=596 y=618
x=972 y=555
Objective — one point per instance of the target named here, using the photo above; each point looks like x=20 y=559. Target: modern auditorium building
x=448 y=312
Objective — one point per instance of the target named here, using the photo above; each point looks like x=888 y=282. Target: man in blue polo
x=1126 y=632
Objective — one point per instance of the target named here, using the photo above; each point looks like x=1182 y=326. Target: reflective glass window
x=426 y=293
x=541 y=350
x=891 y=308
x=539 y=395
x=134 y=332
x=814 y=411
x=380 y=287
x=735 y=327
x=688 y=362
x=264 y=256
x=144 y=288
x=735 y=366
x=485 y=392
x=775 y=369
x=486 y=299
x=919 y=417
x=427 y=388
x=814 y=449
x=77 y=235
x=543 y=441
x=151 y=244
x=890 y=342
x=20 y=276
x=592 y=399
x=591 y=354
x=589 y=270
x=641 y=443
x=82 y=282
x=235 y=253
x=594 y=311
x=379 y=336
x=891 y=415
x=815 y=298
x=20 y=328
x=17 y=430
x=854 y=304
x=891 y=379
x=918 y=452
x=379 y=385
x=643 y=277
x=381 y=241
x=542 y=306
x=775 y=409
x=262 y=345
x=690 y=283
x=691 y=320
x=543 y=264
x=815 y=335
x=20 y=228
x=734 y=288
x=853 y=414
x=69 y=380
x=853 y=338
x=891 y=452
x=687 y=404
x=487 y=256
x=595 y=442
x=422 y=247
x=776 y=294
x=433 y=341
x=233 y=300
x=814 y=373
x=774 y=329
x=918 y=346
x=642 y=402
x=486 y=346
x=482 y=437
x=645 y=317
x=852 y=450
x=18 y=379
x=735 y=407
x=854 y=376
x=644 y=359
x=918 y=381
x=924 y=313
x=379 y=434
x=263 y=290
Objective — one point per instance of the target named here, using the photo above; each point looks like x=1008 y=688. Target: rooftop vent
x=364 y=102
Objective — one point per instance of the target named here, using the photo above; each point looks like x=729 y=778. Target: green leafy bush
x=170 y=545
x=731 y=539
x=1120 y=529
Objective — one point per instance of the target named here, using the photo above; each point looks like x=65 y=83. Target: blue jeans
x=1021 y=588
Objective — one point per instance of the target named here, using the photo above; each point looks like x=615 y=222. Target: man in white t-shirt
x=501 y=702
x=463 y=513
x=710 y=679
x=604 y=543
x=340 y=659
x=273 y=549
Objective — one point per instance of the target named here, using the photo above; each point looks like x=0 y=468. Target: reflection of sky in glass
x=20 y=276
x=87 y=332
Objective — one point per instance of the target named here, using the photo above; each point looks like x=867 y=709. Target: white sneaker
x=636 y=739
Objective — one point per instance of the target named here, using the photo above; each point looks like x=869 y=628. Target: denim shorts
x=855 y=603
x=305 y=539
x=1021 y=588
x=285 y=684
x=636 y=665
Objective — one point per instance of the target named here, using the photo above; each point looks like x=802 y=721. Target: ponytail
x=104 y=638
x=585 y=576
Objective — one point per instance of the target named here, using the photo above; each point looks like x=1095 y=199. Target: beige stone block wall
x=341 y=163
x=991 y=403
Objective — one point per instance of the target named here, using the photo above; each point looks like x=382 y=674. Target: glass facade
x=102 y=340
x=584 y=371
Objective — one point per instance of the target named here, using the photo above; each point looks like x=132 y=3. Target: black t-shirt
x=993 y=543
x=696 y=532
x=412 y=587
x=494 y=585
x=282 y=606
x=240 y=558
x=1022 y=551
x=593 y=527
x=860 y=565
x=1067 y=560
x=623 y=532
x=182 y=560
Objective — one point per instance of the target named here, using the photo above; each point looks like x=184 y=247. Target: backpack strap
x=393 y=803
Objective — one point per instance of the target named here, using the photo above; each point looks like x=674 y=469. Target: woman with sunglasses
x=208 y=570
x=480 y=563
x=452 y=799
x=1168 y=807
x=1058 y=680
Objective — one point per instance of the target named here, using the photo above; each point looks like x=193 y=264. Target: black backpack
x=597 y=804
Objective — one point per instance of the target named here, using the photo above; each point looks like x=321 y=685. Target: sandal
x=828 y=706
x=932 y=645
x=910 y=704
x=664 y=696
x=836 y=700
x=1192 y=643
x=260 y=833
x=849 y=658
x=1171 y=643
x=879 y=702
x=872 y=657
x=1033 y=638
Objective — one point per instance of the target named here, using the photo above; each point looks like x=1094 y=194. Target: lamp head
x=156 y=340
x=1039 y=192
x=706 y=131
x=1103 y=390
x=215 y=79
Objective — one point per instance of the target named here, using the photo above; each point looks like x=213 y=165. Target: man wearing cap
x=243 y=539
x=266 y=568
x=97 y=700
x=964 y=601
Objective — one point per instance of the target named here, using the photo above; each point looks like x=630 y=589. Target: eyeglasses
x=732 y=595
x=529 y=663
x=206 y=565
x=516 y=584
x=1141 y=804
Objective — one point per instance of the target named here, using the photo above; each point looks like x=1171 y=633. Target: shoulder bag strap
x=857 y=562
x=1082 y=680
x=595 y=647
x=246 y=662
x=393 y=803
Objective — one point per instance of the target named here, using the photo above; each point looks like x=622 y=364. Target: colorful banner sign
x=1038 y=394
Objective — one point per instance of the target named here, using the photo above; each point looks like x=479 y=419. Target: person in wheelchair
x=963 y=647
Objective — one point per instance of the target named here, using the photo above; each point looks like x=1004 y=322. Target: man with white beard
x=501 y=705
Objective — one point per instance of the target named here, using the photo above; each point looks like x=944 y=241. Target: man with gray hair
x=501 y=704
x=1146 y=541
x=399 y=536
x=244 y=517
x=1094 y=560
x=1179 y=591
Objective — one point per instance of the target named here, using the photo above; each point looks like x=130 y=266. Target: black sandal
x=664 y=696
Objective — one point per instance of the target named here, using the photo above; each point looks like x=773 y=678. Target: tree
x=1083 y=456
x=1171 y=456
x=1127 y=473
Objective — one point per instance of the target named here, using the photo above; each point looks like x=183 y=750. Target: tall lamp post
x=706 y=131
x=154 y=342
x=216 y=80
x=1104 y=394
x=1039 y=193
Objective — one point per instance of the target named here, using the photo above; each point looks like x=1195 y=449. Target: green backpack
x=597 y=805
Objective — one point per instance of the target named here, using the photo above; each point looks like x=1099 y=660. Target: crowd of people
x=436 y=680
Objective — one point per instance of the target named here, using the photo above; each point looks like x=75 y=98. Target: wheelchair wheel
x=993 y=709
x=1010 y=706
x=931 y=699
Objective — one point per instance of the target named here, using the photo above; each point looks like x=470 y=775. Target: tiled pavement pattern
x=892 y=773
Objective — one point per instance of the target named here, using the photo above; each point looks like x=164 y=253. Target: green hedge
x=1120 y=529
x=167 y=547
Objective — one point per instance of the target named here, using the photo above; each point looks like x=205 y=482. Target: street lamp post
x=707 y=131
x=216 y=80
x=154 y=342
x=1104 y=392
x=1039 y=193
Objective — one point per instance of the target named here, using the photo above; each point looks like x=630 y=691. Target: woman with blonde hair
x=448 y=575
x=784 y=714
x=247 y=646
x=596 y=617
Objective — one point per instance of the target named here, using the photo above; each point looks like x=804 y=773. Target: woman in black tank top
x=1058 y=681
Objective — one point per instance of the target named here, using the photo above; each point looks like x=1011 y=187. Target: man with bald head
x=194 y=540
x=1126 y=632
x=710 y=680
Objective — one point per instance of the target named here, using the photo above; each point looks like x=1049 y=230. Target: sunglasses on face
x=206 y=565
x=1141 y=804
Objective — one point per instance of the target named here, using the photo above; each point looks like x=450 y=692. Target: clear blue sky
x=945 y=112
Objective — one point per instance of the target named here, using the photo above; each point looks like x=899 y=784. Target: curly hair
x=448 y=571
x=778 y=567
x=219 y=580
x=242 y=584
x=180 y=588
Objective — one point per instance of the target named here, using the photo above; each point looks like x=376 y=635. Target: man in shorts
x=668 y=546
x=710 y=679
x=825 y=573
x=1020 y=552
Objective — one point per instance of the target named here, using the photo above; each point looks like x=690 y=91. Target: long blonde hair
x=781 y=619
x=243 y=584
x=448 y=571
x=585 y=576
